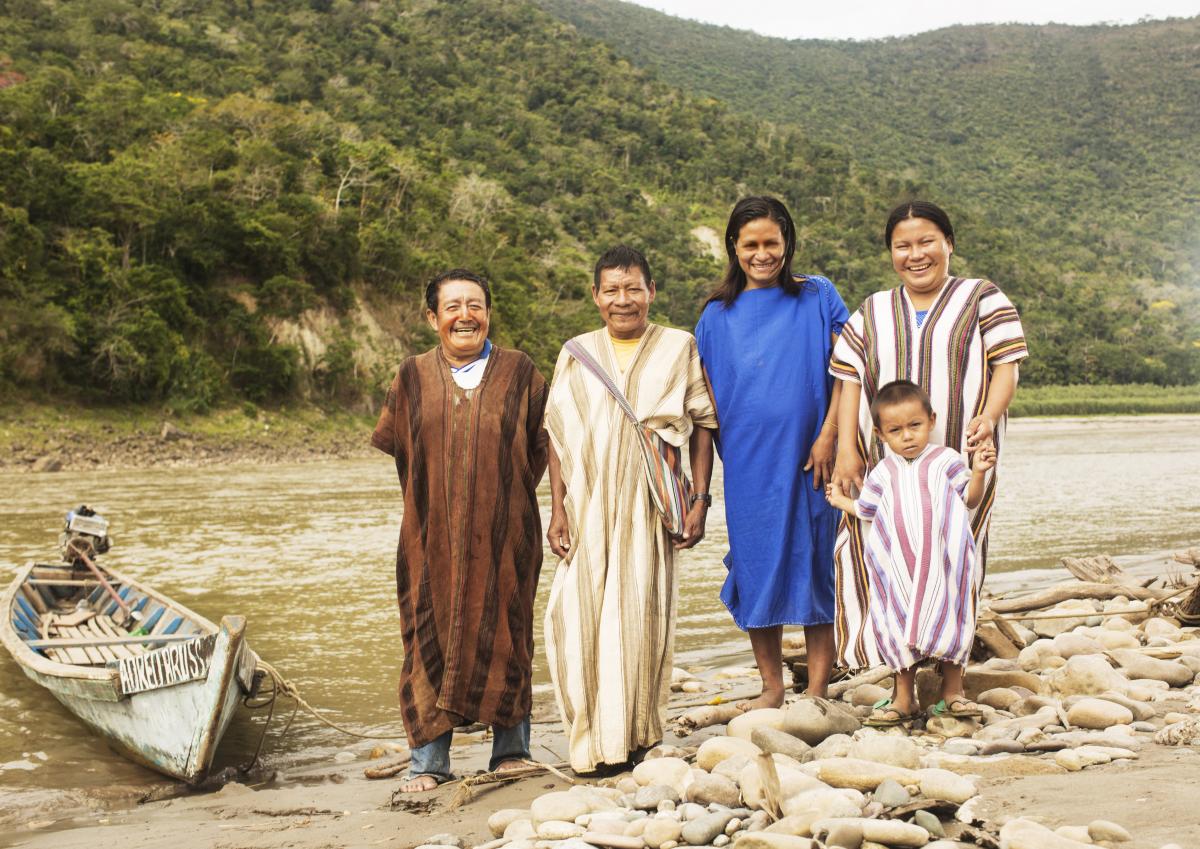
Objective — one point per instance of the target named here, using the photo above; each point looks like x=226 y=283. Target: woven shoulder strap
x=585 y=359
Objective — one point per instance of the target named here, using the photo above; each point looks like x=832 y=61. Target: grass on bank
x=1124 y=399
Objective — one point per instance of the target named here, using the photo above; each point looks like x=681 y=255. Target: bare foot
x=510 y=765
x=768 y=699
x=419 y=784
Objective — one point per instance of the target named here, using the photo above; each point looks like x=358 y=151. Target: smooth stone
x=859 y=774
x=742 y=725
x=837 y=746
x=1109 y=831
x=1085 y=674
x=1032 y=704
x=657 y=832
x=1000 y=698
x=930 y=823
x=606 y=826
x=558 y=830
x=943 y=784
x=791 y=782
x=771 y=840
x=1077 y=833
x=952 y=726
x=866 y=695
x=780 y=742
x=667 y=806
x=1137 y=665
x=977 y=680
x=722 y=840
x=1171 y=717
x=501 y=819
x=1002 y=747
x=1071 y=644
x=626 y=785
x=845 y=835
x=559 y=805
x=1053 y=627
x=813 y=720
x=1157 y=627
x=691 y=811
x=960 y=746
x=704 y=829
x=523 y=843
x=519 y=830
x=717 y=749
x=668 y=771
x=814 y=805
x=1098 y=713
x=1141 y=711
x=1117 y=639
x=707 y=789
x=886 y=749
x=886 y=832
x=891 y=794
x=732 y=768
x=1021 y=833
x=800 y=826
x=648 y=797
x=1144 y=727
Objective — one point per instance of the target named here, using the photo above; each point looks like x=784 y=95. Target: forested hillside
x=181 y=178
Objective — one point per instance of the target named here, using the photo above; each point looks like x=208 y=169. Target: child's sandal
x=959 y=707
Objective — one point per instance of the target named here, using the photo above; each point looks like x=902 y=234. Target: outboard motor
x=85 y=533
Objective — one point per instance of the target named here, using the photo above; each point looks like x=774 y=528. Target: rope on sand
x=466 y=787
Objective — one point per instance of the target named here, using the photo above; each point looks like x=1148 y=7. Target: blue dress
x=767 y=357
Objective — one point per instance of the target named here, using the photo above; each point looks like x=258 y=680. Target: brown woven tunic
x=470 y=550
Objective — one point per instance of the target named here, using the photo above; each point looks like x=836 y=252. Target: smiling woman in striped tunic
x=960 y=340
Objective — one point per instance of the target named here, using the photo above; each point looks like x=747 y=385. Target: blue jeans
x=434 y=757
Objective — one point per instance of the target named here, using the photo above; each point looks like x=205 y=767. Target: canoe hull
x=172 y=729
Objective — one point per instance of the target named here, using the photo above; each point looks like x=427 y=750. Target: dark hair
x=623 y=257
x=898 y=392
x=744 y=211
x=918 y=209
x=435 y=286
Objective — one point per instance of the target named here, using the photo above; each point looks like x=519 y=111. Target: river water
x=306 y=553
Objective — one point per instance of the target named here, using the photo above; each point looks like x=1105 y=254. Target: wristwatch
x=701 y=496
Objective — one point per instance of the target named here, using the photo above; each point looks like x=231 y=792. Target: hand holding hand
x=985 y=457
x=979 y=430
x=693 y=527
x=848 y=471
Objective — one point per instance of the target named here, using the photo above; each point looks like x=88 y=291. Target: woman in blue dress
x=765 y=339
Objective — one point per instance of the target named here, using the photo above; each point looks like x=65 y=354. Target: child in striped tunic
x=924 y=574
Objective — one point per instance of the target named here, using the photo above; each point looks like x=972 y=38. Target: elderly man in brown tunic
x=464 y=424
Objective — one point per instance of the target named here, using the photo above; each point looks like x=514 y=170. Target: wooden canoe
x=161 y=690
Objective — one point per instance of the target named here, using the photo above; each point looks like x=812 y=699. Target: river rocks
x=960 y=746
x=1098 y=713
x=891 y=794
x=866 y=695
x=1111 y=639
x=844 y=835
x=859 y=774
x=1068 y=645
x=607 y=825
x=836 y=746
x=1137 y=665
x=47 y=464
x=657 y=832
x=930 y=823
x=946 y=785
x=500 y=820
x=1109 y=831
x=519 y=830
x=706 y=789
x=743 y=725
x=668 y=771
x=1021 y=833
x=813 y=805
x=1001 y=698
x=1054 y=627
x=791 y=782
x=558 y=805
x=887 y=749
x=771 y=840
x=648 y=798
x=732 y=768
x=1140 y=710
x=887 y=832
x=558 y=830
x=1086 y=674
x=702 y=830
x=952 y=726
x=1078 y=833
x=813 y=720
x=1179 y=733
x=780 y=742
x=1156 y=627
x=1002 y=747
x=716 y=749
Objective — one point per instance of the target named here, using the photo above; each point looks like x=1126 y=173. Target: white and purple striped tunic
x=920 y=553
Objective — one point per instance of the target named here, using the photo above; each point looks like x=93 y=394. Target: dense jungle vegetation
x=179 y=176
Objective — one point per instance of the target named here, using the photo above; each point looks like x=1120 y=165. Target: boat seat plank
x=75 y=642
x=92 y=631
x=88 y=644
x=74 y=654
x=105 y=626
x=68 y=582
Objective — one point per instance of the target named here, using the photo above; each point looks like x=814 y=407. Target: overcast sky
x=861 y=19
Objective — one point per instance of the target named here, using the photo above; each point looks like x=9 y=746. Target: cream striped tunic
x=970 y=328
x=610 y=621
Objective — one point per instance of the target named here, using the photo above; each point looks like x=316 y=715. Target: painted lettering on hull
x=175 y=664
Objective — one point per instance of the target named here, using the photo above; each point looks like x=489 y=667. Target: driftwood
x=389 y=769
x=871 y=676
x=1067 y=592
x=1191 y=557
x=995 y=642
x=1096 y=570
x=703 y=717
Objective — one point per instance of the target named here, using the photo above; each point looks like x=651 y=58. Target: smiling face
x=760 y=247
x=461 y=321
x=921 y=256
x=905 y=427
x=624 y=297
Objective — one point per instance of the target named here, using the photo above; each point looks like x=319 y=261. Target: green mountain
x=204 y=201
